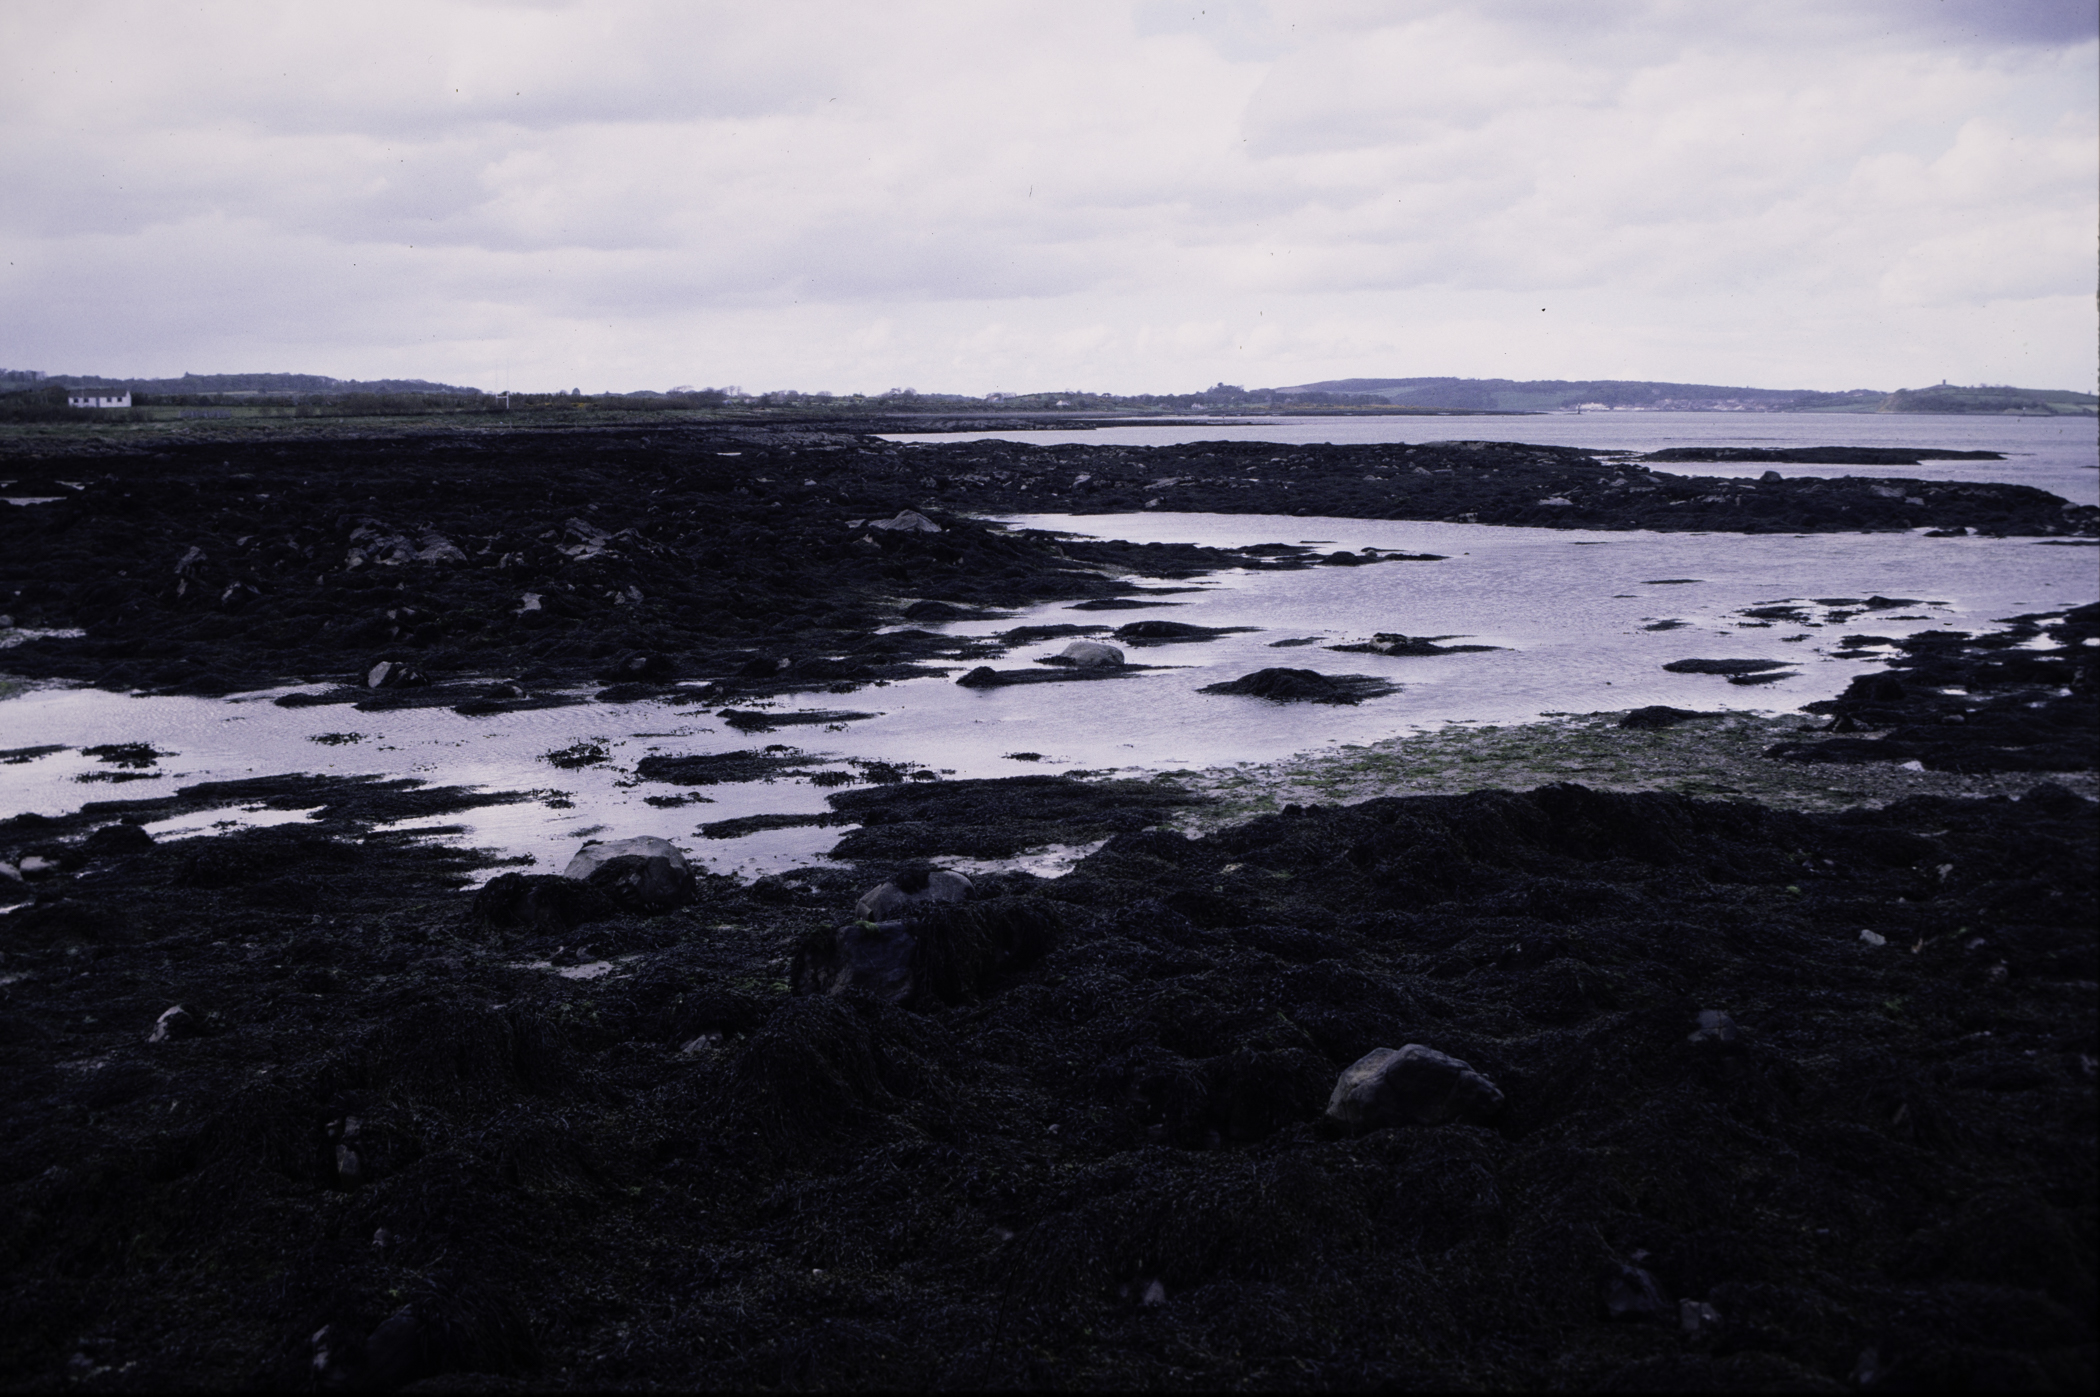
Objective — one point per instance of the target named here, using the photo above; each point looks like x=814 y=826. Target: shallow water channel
x=1581 y=619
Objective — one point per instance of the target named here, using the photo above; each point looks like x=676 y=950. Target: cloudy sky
x=972 y=196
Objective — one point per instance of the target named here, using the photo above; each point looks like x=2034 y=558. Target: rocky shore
x=549 y=558
x=1368 y=1071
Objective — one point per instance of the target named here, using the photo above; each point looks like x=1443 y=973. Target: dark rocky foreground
x=1794 y=1101
x=637 y=558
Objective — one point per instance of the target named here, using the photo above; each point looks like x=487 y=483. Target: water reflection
x=1584 y=622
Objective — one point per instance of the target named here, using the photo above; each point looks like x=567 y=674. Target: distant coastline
x=28 y=395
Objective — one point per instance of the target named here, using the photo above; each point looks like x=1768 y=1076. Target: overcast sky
x=971 y=196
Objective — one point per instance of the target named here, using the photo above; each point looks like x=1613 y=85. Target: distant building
x=98 y=397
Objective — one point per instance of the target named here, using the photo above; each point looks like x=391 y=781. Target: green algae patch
x=1717 y=756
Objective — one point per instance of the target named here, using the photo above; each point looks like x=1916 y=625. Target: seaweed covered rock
x=1173 y=632
x=116 y=841
x=1657 y=716
x=943 y=951
x=1280 y=684
x=539 y=903
x=870 y=957
x=1395 y=643
x=1730 y=668
x=1412 y=1085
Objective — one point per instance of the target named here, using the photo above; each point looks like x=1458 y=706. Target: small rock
x=1155 y=1294
x=1410 y=1085
x=1697 y=1317
x=911 y=889
x=338 y=1357
x=1873 y=938
x=640 y=665
x=1658 y=715
x=348 y=1167
x=1715 y=1027
x=907 y=521
x=392 y=674
x=36 y=866
x=1631 y=1294
x=394 y=1355
x=116 y=840
x=173 y=1023
x=931 y=610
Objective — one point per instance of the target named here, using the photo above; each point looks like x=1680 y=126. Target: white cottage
x=98 y=397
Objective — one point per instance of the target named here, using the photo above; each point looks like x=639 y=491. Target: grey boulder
x=1411 y=1085
x=906 y=891
x=642 y=874
x=1091 y=654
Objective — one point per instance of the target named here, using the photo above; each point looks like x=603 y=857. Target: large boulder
x=539 y=904
x=912 y=889
x=872 y=957
x=1412 y=1085
x=643 y=874
x=115 y=841
x=1090 y=654
x=946 y=951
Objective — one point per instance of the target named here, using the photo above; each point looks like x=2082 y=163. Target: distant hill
x=2026 y=402
x=305 y=384
x=1633 y=395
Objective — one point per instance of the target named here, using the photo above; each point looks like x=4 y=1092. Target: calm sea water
x=1570 y=609
x=2057 y=454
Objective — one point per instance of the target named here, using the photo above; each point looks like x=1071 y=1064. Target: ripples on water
x=1571 y=609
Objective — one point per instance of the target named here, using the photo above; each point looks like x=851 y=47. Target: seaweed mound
x=1728 y=667
x=1654 y=1071
x=1280 y=684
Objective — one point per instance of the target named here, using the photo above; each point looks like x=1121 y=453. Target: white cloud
x=1144 y=196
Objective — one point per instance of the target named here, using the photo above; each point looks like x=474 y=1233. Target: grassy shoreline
x=1717 y=757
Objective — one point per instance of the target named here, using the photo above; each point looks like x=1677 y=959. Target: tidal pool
x=1584 y=622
